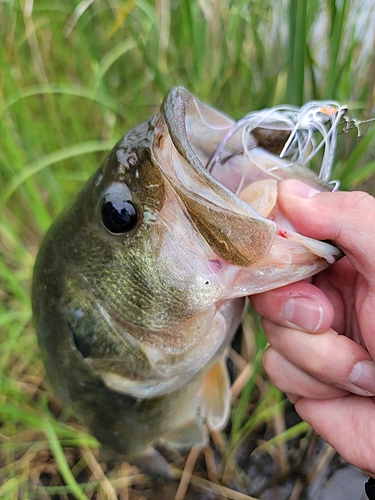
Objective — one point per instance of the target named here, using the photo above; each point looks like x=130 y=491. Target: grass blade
x=62 y=463
x=50 y=159
x=297 y=44
x=338 y=21
x=67 y=89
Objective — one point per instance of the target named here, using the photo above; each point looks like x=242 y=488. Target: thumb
x=347 y=219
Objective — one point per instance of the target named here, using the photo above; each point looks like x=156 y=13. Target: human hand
x=322 y=332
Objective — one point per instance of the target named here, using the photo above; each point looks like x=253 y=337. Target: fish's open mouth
x=234 y=171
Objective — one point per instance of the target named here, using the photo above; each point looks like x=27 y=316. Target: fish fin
x=192 y=433
x=214 y=396
x=152 y=463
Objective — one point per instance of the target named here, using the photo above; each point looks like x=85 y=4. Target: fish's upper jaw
x=235 y=232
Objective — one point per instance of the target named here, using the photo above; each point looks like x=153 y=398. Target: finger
x=345 y=423
x=300 y=305
x=331 y=358
x=291 y=380
x=345 y=218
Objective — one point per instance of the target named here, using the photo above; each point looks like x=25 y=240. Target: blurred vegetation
x=74 y=77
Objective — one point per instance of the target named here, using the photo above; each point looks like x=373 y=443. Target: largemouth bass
x=141 y=282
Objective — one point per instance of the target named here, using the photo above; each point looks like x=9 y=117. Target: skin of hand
x=322 y=331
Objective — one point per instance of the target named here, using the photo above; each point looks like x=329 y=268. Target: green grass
x=72 y=82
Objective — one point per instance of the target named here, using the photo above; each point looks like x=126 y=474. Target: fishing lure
x=295 y=134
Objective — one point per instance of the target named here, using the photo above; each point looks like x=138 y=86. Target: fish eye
x=119 y=217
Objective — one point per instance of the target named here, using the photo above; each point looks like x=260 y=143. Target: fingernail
x=299 y=189
x=304 y=313
x=363 y=376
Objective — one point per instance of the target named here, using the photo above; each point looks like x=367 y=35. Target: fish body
x=141 y=282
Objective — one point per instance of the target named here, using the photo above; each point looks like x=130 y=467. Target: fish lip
x=324 y=249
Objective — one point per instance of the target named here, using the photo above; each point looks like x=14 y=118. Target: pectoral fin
x=153 y=464
x=193 y=433
x=215 y=396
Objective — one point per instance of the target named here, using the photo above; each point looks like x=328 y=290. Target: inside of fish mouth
x=233 y=168
x=259 y=189
x=222 y=147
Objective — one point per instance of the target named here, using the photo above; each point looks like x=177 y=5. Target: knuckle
x=350 y=213
x=358 y=201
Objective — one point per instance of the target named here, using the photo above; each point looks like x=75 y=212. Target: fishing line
x=355 y=125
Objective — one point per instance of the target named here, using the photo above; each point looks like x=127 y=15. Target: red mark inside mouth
x=282 y=232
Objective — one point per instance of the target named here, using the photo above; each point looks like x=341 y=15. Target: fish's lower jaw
x=289 y=260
